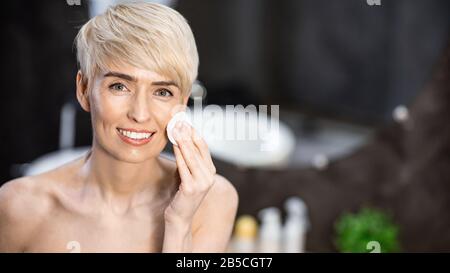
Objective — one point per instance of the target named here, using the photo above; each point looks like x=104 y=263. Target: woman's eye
x=118 y=87
x=163 y=93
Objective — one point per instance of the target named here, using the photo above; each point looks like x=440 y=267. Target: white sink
x=244 y=139
x=54 y=159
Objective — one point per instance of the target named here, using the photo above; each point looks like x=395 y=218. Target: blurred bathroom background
x=362 y=158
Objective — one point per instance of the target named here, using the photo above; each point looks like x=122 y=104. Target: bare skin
x=121 y=197
x=45 y=213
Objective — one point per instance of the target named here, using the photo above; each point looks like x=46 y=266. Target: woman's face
x=130 y=109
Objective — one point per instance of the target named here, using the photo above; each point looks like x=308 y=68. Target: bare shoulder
x=24 y=203
x=214 y=220
x=221 y=201
x=223 y=189
x=23 y=195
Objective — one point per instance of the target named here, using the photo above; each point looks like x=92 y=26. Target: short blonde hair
x=145 y=35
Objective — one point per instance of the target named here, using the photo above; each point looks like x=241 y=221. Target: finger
x=202 y=146
x=185 y=174
x=190 y=153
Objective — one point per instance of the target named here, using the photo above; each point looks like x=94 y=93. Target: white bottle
x=245 y=235
x=297 y=223
x=270 y=231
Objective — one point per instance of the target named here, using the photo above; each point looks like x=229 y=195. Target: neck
x=122 y=183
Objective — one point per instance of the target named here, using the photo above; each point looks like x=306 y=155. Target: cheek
x=163 y=112
x=109 y=108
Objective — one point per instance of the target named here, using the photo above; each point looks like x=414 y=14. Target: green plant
x=359 y=232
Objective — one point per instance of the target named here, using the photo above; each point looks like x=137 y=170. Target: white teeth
x=135 y=135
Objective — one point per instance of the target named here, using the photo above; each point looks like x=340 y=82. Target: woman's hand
x=201 y=190
x=197 y=174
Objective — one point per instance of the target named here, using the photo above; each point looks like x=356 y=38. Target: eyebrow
x=134 y=79
x=120 y=75
x=165 y=83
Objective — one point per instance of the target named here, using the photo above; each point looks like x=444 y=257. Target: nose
x=139 y=110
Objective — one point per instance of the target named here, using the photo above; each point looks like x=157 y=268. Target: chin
x=134 y=156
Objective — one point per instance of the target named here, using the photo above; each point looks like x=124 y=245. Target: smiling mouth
x=136 y=135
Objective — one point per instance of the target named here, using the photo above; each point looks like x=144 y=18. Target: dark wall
x=341 y=59
x=38 y=76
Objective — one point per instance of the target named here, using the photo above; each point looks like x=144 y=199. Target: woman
x=137 y=65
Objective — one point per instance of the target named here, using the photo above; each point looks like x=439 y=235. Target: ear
x=82 y=92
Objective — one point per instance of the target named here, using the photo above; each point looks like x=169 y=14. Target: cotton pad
x=180 y=116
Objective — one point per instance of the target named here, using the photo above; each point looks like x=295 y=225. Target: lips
x=135 y=136
x=135 y=130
